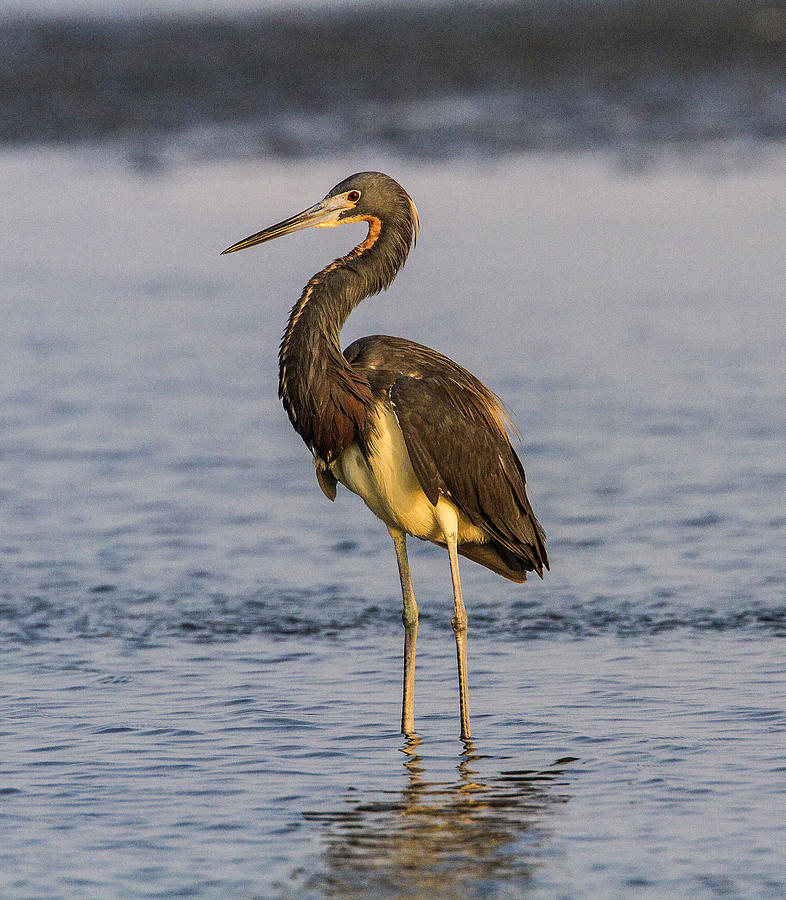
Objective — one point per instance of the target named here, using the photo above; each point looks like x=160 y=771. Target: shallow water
x=202 y=656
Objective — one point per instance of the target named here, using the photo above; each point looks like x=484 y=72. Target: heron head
x=367 y=196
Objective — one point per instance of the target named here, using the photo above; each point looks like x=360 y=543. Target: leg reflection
x=443 y=837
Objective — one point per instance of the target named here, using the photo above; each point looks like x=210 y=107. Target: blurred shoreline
x=434 y=82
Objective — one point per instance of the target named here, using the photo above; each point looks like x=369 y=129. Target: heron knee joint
x=410 y=616
x=459 y=623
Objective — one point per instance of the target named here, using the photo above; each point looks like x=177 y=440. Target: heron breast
x=385 y=480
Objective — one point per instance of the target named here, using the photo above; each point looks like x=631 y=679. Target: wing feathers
x=454 y=430
x=461 y=450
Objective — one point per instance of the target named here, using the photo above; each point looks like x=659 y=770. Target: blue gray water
x=201 y=655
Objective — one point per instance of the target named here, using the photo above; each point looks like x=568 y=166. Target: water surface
x=201 y=667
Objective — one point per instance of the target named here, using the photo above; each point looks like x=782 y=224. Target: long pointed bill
x=322 y=215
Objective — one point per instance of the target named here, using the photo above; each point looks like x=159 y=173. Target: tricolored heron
x=416 y=436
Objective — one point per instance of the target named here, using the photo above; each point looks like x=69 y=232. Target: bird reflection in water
x=473 y=837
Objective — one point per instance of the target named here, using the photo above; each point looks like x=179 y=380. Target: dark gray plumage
x=452 y=426
x=419 y=438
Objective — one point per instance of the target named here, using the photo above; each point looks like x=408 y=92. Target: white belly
x=387 y=483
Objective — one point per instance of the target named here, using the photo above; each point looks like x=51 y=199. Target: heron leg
x=410 y=620
x=459 y=623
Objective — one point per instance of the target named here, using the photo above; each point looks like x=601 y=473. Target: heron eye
x=353 y=196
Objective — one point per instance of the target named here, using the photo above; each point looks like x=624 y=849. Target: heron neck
x=314 y=376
